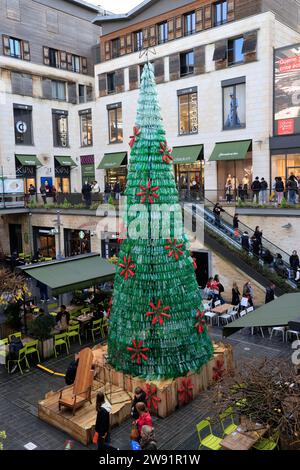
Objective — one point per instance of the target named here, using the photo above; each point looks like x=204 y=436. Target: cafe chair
x=18 y=334
x=84 y=311
x=32 y=348
x=268 y=443
x=292 y=333
x=217 y=303
x=21 y=357
x=96 y=326
x=3 y=350
x=243 y=313
x=60 y=340
x=104 y=326
x=210 y=441
x=72 y=332
x=225 y=318
x=280 y=330
x=227 y=415
x=211 y=316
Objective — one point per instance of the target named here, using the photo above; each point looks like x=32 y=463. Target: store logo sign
x=21 y=127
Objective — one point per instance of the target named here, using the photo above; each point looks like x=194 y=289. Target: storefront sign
x=287 y=91
x=21 y=127
x=81 y=234
x=194 y=113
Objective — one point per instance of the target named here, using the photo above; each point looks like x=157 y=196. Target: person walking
x=102 y=427
x=256 y=186
x=255 y=245
x=117 y=190
x=217 y=213
x=235 y=300
x=148 y=441
x=43 y=193
x=228 y=190
x=32 y=192
x=54 y=194
x=263 y=191
x=235 y=225
x=270 y=293
x=279 y=189
x=248 y=293
x=107 y=192
x=292 y=187
x=258 y=234
x=245 y=242
x=144 y=418
x=294 y=262
x=86 y=193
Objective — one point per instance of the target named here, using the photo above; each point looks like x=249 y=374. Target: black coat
x=151 y=445
x=270 y=295
x=102 y=422
x=294 y=261
x=245 y=242
x=142 y=398
x=235 y=297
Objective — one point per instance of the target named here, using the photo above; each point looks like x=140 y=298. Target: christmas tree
x=157 y=327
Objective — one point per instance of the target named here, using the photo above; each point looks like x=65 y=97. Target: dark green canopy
x=276 y=313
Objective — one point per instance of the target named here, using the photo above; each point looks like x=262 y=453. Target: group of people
x=88 y=189
x=253 y=243
x=214 y=289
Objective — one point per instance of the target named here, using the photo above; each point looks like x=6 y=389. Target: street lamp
x=57 y=221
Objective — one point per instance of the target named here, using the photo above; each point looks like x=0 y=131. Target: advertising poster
x=287 y=91
x=13 y=186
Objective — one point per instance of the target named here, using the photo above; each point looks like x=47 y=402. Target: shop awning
x=29 y=160
x=276 y=313
x=230 y=151
x=187 y=154
x=73 y=273
x=112 y=160
x=65 y=161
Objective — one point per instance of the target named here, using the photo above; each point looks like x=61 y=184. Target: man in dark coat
x=294 y=261
x=87 y=194
x=270 y=293
x=245 y=241
x=139 y=396
x=256 y=187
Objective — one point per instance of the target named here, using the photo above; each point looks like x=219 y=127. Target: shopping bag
x=236 y=232
x=244 y=302
x=272 y=196
x=95 y=437
x=134 y=433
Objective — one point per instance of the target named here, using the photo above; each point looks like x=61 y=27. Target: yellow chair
x=268 y=444
x=210 y=440
x=228 y=415
x=53 y=314
x=3 y=350
x=96 y=326
x=72 y=332
x=60 y=340
x=18 y=334
x=32 y=348
x=85 y=310
x=104 y=326
x=21 y=357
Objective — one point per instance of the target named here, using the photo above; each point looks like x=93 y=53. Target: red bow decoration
x=218 y=370
x=166 y=152
x=159 y=312
x=151 y=396
x=133 y=138
x=148 y=193
x=194 y=260
x=128 y=267
x=200 y=323
x=138 y=351
x=173 y=248
x=185 y=391
x=109 y=307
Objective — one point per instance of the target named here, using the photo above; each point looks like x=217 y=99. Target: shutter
x=6 y=46
x=27 y=84
x=145 y=37
x=133 y=77
x=199 y=57
x=46 y=55
x=207 y=17
x=26 y=50
x=171 y=29
x=84 y=67
x=250 y=43
x=72 y=95
x=16 y=83
x=63 y=60
x=122 y=45
x=69 y=62
x=178 y=26
x=107 y=51
x=47 y=88
x=119 y=80
x=128 y=43
x=152 y=36
x=102 y=84
x=199 y=19
x=159 y=70
x=220 y=52
x=230 y=10
x=89 y=93
x=174 y=66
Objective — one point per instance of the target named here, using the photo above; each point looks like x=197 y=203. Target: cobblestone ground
x=19 y=396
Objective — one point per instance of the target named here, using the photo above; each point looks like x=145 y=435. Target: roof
x=86 y=5
x=125 y=16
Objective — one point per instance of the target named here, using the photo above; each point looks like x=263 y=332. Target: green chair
x=96 y=326
x=268 y=443
x=104 y=325
x=48 y=258
x=52 y=306
x=60 y=340
x=3 y=351
x=21 y=357
x=227 y=415
x=210 y=441
x=85 y=310
x=18 y=334
x=53 y=314
x=72 y=332
x=32 y=348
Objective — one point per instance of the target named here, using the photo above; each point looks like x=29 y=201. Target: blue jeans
x=292 y=196
x=264 y=196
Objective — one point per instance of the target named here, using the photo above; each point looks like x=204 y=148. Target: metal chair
x=21 y=357
x=72 y=332
x=210 y=441
x=32 y=348
x=280 y=330
x=210 y=317
x=60 y=340
x=292 y=333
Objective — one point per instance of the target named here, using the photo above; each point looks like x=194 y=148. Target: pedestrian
x=143 y=419
x=139 y=397
x=54 y=194
x=248 y=293
x=217 y=213
x=270 y=293
x=241 y=192
x=148 y=441
x=235 y=294
x=235 y=225
x=279 y=189
x=217 y=289
x=14 y=347
x=258 y=234
x=256 y=186
x=268 y=258
x=117 y=189
x=292 y=188
x=32 y=192
x=255 y=245
x=245 y=242
x=86 y=193
x=208 y=288
x=107 y=192
x=263 y=191
x=95 y=187
x=102 y=427
x=43 y=291
x=43 y=193
x=294 y=262
x=228 y=190
x=62 y=318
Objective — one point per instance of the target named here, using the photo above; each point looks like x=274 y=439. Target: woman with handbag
x=103 y=408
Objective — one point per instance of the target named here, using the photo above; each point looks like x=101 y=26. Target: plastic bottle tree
x=157 y=327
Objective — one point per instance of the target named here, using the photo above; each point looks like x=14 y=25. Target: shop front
x=189 y=171
x=87 y=168
x=115 y=165
x=285 y=163
x=234 y=168
x=77 y=242
x=63 y=167
x=26 y=166
x=110 y=246
x=44 y=241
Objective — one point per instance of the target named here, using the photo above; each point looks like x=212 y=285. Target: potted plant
x=41 y=329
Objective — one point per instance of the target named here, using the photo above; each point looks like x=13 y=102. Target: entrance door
x=15 y=238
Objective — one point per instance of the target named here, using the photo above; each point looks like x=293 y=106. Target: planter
x=46 y=348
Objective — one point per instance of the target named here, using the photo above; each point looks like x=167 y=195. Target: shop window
x=86 y=128
x=62 y=184
x=189 y=23
x=235 y=51
x=138 y=40
x=115 y=123
x=187 y=63
x=111 y=82
x=58 y=90
x=23 y=124
x=115 y=48
x=188 y=113
x=234 y=106
x=60 y=128
x=162 y=32
x=220 y=13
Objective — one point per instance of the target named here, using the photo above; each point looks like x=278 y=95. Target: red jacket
x=144 y=420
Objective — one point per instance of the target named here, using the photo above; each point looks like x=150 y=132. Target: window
x=190 y=23
x=53 y=57
x=111 y=82
x=115 y=48
x=115 y=123
x=138 y=40
x=23 y=124
x=58 y=90
x=220 y=13
x=186 y=63
x=15 y=48
x=235 y=51
x=75 y=63
x=81 y=93
x=60 y=128
x=188 y=112
x=234 y=106
x=163 y=32
x=86 y=128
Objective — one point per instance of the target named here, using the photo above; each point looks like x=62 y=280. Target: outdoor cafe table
x=245 y=436
x=222 y=309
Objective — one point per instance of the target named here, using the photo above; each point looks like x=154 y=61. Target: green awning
x=29 y=160
x=187 y=154
x=276 y=313
x=230 y=151
x=73 y=273
x=112 y=160
x=65 y=161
